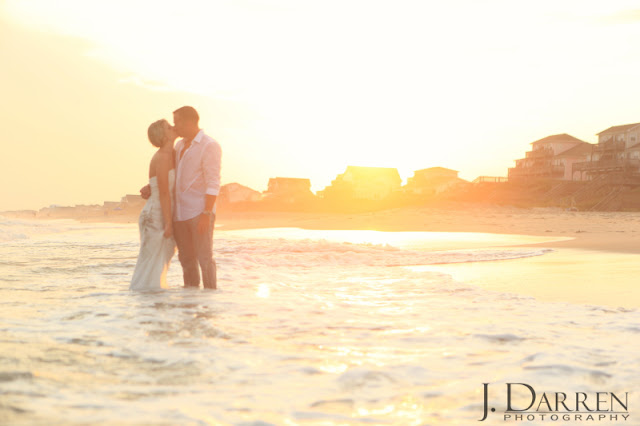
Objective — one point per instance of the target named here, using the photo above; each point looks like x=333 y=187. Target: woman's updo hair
x=156 y=132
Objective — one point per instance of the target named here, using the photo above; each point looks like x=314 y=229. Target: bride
x=157 y=245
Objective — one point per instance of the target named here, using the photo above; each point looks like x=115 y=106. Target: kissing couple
x=184 y=182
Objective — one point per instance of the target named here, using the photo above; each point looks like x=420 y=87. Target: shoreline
x=596 y=264
x=595 y=259
x=604 y=231
x=566 y=275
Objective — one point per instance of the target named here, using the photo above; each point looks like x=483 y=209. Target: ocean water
x=308 y=327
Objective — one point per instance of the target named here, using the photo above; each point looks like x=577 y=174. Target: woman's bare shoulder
x=164 y=161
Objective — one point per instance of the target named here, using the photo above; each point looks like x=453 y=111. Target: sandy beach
x=608 y=231
x=594 y=260
x=605 y=231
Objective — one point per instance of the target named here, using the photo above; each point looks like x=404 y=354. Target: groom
x=198 y=159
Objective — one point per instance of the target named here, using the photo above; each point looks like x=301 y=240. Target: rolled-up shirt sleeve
x=211 y=160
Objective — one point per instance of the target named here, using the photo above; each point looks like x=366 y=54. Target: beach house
x=567 y=159
x=288 y=190
x=616 y=154
x=236 y=193
x=552 y=157
x=363 y=183
x=432 y=181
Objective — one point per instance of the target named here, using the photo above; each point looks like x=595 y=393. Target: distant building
x=28 y=214
x=432 y=181
x=365 y=183
x=111 y=205
x=84 y=209
x=288 y=190
x=236 y=193
x=55 y=211
x=552 y=157
x=130 y=203
x=132 y=200
x=617 y=152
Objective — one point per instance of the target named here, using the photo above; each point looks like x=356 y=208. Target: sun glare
x=408 y=85
x=401 y=240
x=263 y=291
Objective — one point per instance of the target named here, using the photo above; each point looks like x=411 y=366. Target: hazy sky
x=298 y=88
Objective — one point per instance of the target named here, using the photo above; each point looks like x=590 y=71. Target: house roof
x=436 y=169
x=577 y=151
x=618 y=129
x=234 y=186
x=370 y=172
x=563 y=137
x=291 y=180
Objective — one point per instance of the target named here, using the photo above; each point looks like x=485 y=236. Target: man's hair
x=188 y=113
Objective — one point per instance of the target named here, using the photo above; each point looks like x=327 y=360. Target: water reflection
x=263 y=291
x=403 y=240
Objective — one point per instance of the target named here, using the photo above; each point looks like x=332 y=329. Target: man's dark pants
x=195 y=248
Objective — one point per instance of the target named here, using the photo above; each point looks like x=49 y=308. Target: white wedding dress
x=156 y=251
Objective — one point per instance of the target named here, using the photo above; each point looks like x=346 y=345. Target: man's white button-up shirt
x=197 y=174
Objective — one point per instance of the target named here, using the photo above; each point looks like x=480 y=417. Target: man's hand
x=145 y=192
x=204 y=223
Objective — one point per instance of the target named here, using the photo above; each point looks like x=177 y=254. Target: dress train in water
x=156 y=251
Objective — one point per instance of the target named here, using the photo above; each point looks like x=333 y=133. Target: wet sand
x=588 y=277
x=595 y=258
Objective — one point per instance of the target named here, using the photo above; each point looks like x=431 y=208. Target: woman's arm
x=165 y=164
